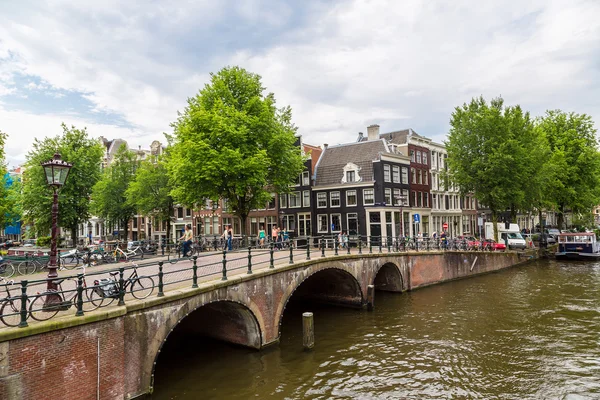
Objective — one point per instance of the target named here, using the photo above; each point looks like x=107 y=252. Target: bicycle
x=10 y=311
x=128 y=255
x=30 y=266
x=7 y=269
x=41 y=309
x=107 y=290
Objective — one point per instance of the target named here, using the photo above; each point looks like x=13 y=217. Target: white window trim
x=355 y=197
x=364 y=200
x=351 y=167
x=396 y=168
x=331 y=199
x=300 y=200
x=319 y=223
x=308 y=178
x=324 y=193
x=389 y=173
x=331 y=222
x=283 y=196
x=303 y=193
x=385 y=191
x=348 y=221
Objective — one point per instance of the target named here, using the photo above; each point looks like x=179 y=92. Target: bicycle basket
x=107 y=287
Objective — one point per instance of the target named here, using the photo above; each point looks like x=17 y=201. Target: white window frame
x=339 y=198
x=321 y=196
x=372 y=191
x=355 y=198
x=283 y=197
x=405 y=174
x=387 y=195
x=306 y=198
x=387 y=173
x=425 y=158
x=355 y=215
x=396 y=174
x=331 y=222
x=305 y=179
x=319 y=230
x=418 y=157
x=298 y=196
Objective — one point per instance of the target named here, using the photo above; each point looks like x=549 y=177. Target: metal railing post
x=249 y=259
x=23 y=322
x=79 y=295
x=308 y=248
x=224 y=278
x=348 y=246
x=195 y=273
x=160 y=280
x=335 y=246
x=271 y=261
x=322 y=246
x=416 y=244
x=291 y=253
x=388 y=244
x=121 y=286
x=370 y=238
x=380 y=243
x=359 y=244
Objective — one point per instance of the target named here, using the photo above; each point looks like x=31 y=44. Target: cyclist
x=187 y=239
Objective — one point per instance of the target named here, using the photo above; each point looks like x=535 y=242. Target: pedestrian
x=229 y=237
x=279 y=239
x=274 y=235
x=261 y=237
x=286 y=237
x=186 y=239
x=345 y=240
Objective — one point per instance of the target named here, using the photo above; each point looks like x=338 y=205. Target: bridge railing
x=92 y=287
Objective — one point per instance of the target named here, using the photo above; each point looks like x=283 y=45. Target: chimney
x=325 y=146
x=373 y=132
x=360 y=136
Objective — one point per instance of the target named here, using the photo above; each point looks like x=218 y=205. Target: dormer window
x=350 y=173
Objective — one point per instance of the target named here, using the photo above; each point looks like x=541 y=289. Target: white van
x=511 y=236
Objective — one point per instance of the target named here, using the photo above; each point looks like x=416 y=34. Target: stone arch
x=333 y=270
x=388 y=277
x=238 y=325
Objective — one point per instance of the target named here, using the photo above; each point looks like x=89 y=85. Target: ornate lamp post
x=400 y=199
x=56 y=171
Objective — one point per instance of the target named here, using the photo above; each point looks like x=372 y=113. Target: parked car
x=29 y=242
x=554 y=233
x=7 y=244
x=492 y=245
x=133 y=244
x=550 y=239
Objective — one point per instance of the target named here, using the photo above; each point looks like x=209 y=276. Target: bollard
x=308 y=249
x=160 y=280
x=224 y=278
x=195 y=273
x=121 y=287
x=370 y=297
x=79 y=312
x=291 y=253
x=249 y=259
x=23 y=323
x=322 y=246
x=272 y=262
x=308 y=331
x=359 y=245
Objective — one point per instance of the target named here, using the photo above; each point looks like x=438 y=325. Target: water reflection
x=528 y=332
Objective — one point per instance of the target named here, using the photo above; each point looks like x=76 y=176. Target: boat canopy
x=579 y=237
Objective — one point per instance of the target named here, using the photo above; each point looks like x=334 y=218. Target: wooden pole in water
x=308 y=330
x=370 y=297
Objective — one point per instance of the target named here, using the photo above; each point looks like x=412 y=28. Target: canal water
x=530 y=332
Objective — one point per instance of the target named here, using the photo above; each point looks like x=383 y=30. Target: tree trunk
x=126 y=228
x=561 y=217
x=73 y=235
x=513 y=214
x=168 y=221
x=495 y=223
x=243 y=219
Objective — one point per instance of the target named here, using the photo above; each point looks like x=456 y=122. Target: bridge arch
x=388 y=277
x=332 y=283
x=222 y=319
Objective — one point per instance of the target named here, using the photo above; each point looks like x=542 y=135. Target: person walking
x=186 y=239
x=228 y=237
x=274 y=234
x=261 y=237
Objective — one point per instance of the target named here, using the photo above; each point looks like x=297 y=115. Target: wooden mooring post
x=308 y=330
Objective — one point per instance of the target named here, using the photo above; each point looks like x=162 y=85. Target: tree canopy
x=232 y=142
x=109 y=199
x=85 y=153
x=9 y=191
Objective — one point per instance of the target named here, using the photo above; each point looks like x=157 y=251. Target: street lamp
x=400 y=199
x=56 y=171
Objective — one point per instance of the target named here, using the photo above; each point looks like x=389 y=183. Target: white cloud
x=352 y=63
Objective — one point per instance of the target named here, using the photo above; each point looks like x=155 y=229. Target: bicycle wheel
x=142 y=287
x=69 y=263
x=10 y=312
x=38 y=309
x=7 y=269
x=26 y=267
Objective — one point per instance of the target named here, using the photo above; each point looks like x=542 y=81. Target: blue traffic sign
x=416 y=218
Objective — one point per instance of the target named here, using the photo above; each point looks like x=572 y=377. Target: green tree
x=109 y=195
x=232 y=142
x=575 y=161
x=150 y=191
x=85 y=153
x=9 y=191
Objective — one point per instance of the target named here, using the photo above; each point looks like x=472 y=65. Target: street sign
x=479 y=221
x=416 y=218
x=445 y=225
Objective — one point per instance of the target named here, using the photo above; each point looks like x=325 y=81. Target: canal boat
x=578 y=246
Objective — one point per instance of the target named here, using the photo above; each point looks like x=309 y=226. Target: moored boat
x=577 y=246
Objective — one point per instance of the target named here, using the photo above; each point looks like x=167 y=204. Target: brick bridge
x=111 y=353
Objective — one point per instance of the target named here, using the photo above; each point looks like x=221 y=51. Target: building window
x=425 y=179
x=321 y=200
x=424 y=158
x=179 y=212
x=188 y=212
x=288 y=222
x=305 y=179
x=419 y=199
x=419 y=157
x=306 y=198
x=336 y=222
x=397 y=195
x=304 y=224
x=334 y=198
x=386 y=173
x=215 y=222
x=420 y=175
x=404 y=175
x=322 y=223
x=434 y=201
x=426 y=199
x=295 y=200
x=396 y=174
x=352 y=228
x=134 y=222
x=368 y=197
x=405 y=197
x=283 y=200
x=412 y=156
x=388 y=196
x=414 y=175
x=271 y=204
x=350 y=198
x=350 y=176
x=414 y=196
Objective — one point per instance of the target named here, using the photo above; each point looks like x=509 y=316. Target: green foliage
x=85 y=153
x=9 y=191
x=109 y=199
x=232 y=142
x=150 y=191
x=43 y=241
x=575 y=161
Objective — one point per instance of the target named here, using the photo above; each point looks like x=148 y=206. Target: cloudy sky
x=124 y=68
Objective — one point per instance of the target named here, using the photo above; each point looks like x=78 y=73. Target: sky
x=123 y=69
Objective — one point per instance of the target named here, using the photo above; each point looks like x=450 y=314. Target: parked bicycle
x=127 y=255
x=32 y=264
x=7 y=269
x=47 y=304
x=106 y=290
x=10 y=311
